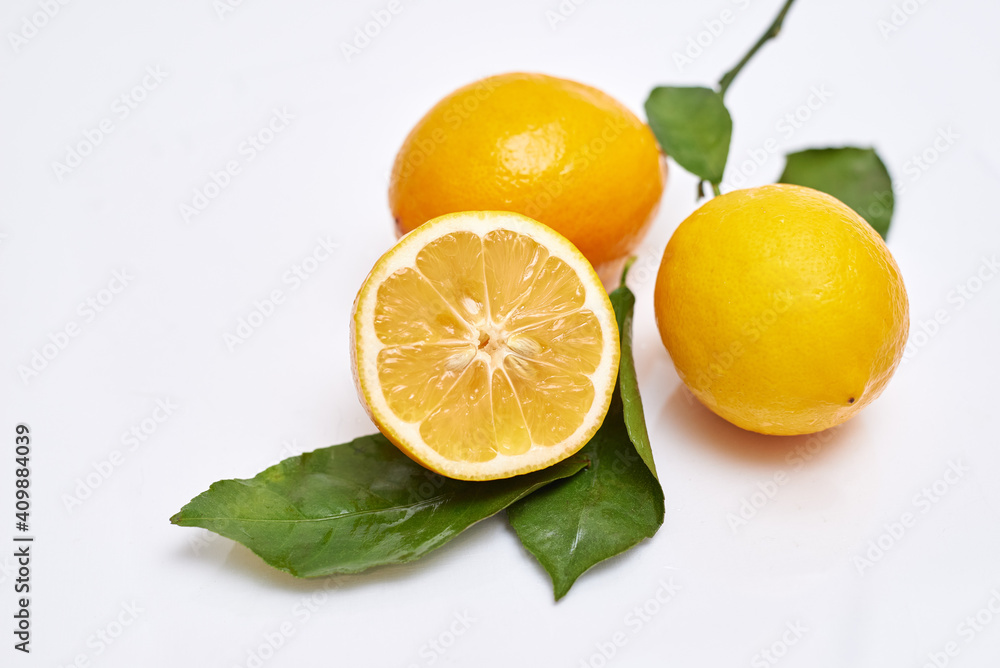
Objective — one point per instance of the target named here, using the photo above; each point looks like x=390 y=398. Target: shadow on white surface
x=704 y=427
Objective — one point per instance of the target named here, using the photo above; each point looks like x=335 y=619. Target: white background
x=288 y=388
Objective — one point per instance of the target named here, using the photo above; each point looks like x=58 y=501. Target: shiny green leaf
x=623 y=302
x=349 y=507
x=612 y=505
x=693 y=127
x=855 y=176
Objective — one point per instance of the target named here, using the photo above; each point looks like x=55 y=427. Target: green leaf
x=855 y=176
x=623 y=302
x=611 y=506
x=693 y=127
x=349 y=507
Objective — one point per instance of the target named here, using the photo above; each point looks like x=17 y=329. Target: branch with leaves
x=695 y=128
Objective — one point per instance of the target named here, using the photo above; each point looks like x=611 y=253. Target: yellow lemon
x=484 y=346
x=558 y=151
x=781 y=309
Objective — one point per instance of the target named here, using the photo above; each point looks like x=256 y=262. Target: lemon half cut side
x=484 y=346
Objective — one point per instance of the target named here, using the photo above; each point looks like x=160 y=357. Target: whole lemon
x=781 y=308
x=555 y=150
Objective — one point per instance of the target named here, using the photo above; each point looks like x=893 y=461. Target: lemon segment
x=485 y=346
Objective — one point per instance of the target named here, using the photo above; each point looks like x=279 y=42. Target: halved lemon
x=484 y=346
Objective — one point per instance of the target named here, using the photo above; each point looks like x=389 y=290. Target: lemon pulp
x=488 y=345
x=484 y=346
